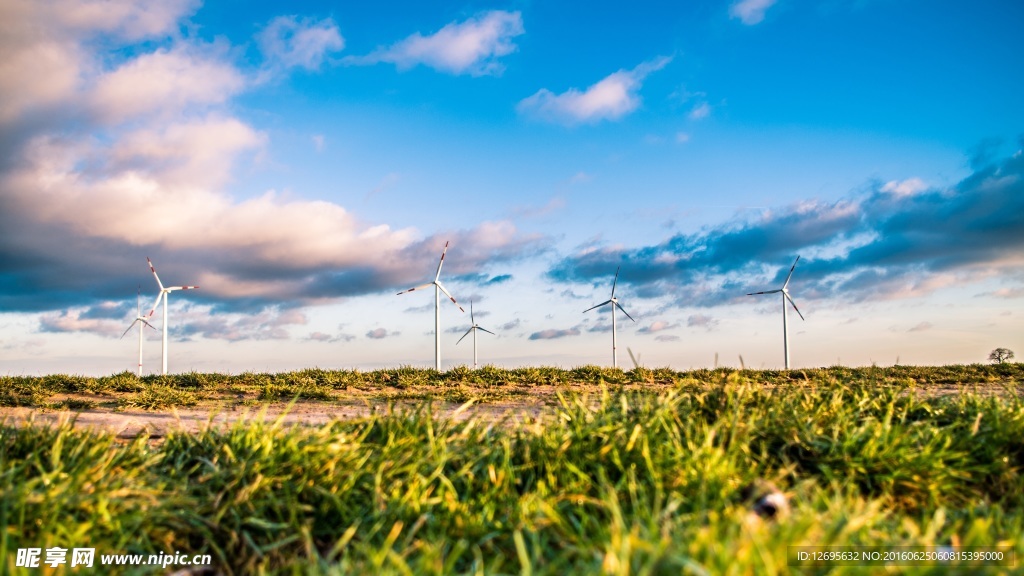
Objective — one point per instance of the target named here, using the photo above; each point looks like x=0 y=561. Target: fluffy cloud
x=750 y=12
x=380 y=334
x=906 y=187
x=609 y=99
x=552 y=334
x=79 y=321
x=270 y=323
x=470 y=47
x=288 y=42
x=879 y=244
x=44 y=63
x=701 y=321
x=656 y=326
x=921 y=327
x=127 y=150
x=165 y=82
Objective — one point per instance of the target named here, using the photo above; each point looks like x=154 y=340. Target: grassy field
x=640 y=474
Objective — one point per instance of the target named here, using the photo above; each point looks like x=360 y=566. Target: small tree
x=1000 y=355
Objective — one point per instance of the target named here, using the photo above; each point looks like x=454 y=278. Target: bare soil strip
x=529 y=402
x=127 y=424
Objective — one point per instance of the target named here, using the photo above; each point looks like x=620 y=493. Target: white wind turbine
x=785 y=296
x=615 y=304
x=139 y=318
x=473 y=329
x=438 y=288
x=162 y=296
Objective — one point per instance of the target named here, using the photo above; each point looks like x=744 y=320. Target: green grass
x=461 y=383
x=624 y=481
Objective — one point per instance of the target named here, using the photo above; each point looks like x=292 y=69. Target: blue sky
x=304 y=163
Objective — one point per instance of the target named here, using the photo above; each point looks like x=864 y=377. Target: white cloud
x=73 y=321
x=907 y=187
x=469 y=47
x=921 y=327
x=164 y=82
x=44 y=65
x=656 y=326
x=388 y=181
x=700 y=111
x=682 y=137
x=609 y=99
x=750 y=12
x=701 y=321
x=270 y=323
x=288 y=42
x=155 y=175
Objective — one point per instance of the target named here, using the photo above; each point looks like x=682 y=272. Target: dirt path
x=513 y=402
x=126 y=424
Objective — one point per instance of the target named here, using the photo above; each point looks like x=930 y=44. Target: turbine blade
x=446 y=293
x=471 y=319
x=597 y=306
x=130 y=326
x=173 y=288
x=794 y=305
x=441 y=263
x=486 y=330
x=153 y=270
x=624 y=311
x=616 y=281
x=765 y=292
x=138 y=301
x=155 y=304
x=633 y=358
x=417 y=288
x=791 y=268
x=147 y=323
x=466 y=334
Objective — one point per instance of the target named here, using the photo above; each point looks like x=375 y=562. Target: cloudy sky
x=302 y=164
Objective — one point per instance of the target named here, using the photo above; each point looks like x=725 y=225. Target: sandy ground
x=126 y=424
x=529 y=402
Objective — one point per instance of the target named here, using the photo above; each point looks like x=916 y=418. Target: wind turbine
x=473 y=329
x=438 y=288
x=785 y=296
x=164 y=292
x=615 y=304
x=138 y=318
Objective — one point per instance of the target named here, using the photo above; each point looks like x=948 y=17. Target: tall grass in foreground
x=624 y=483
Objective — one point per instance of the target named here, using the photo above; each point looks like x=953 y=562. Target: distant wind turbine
x=473 y=329
x=785 y=296
x=162 y=296
x=438 y=288
x=615 y=304
x=138 y=318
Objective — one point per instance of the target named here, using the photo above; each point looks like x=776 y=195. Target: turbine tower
x=615 y=304
x=438 y=288
x=785 y=296
x=162 y=296
x=138 y=318
x=473 y=329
